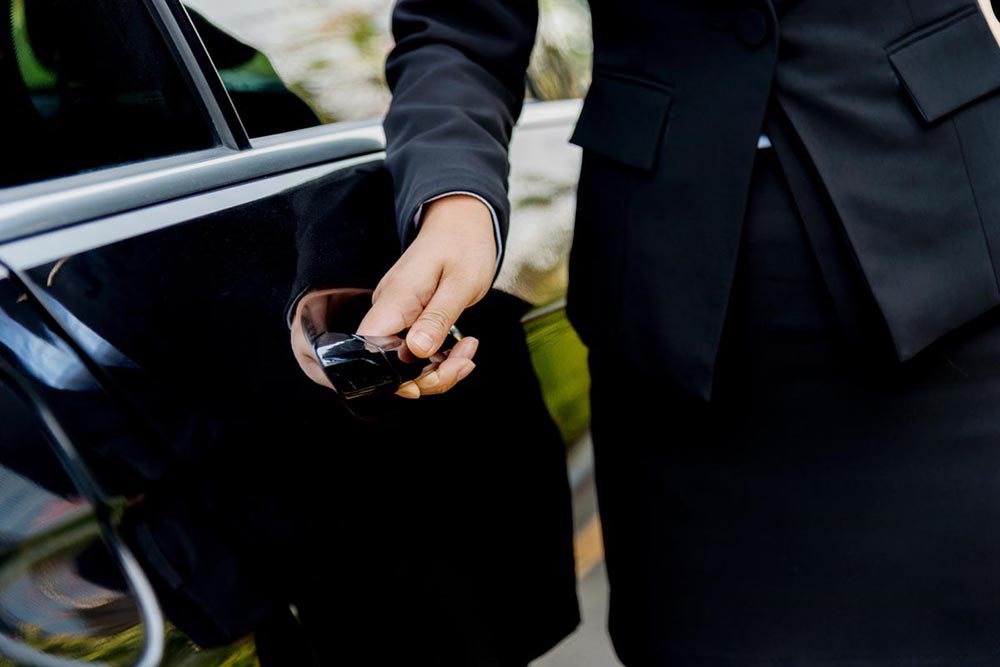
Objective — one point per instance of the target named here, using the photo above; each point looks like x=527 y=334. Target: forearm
x=457 y=77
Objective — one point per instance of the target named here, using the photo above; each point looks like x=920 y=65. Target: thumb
x=386 y=318
x=397 y=302
x=437 y=318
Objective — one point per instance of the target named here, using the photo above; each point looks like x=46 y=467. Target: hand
x=316 y=308
x=447 y=268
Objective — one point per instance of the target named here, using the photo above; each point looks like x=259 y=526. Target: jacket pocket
x=624 y=118
x=948 y=64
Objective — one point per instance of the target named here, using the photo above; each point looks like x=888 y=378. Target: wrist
x=464 y=222
x=445 y=210
x=458 y=230
x=461 y=204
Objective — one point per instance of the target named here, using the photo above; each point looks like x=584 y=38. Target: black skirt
x=827 y=507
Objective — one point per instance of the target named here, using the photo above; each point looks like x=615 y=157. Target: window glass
x=89 y=84
x=331 y=53
x=264 y=103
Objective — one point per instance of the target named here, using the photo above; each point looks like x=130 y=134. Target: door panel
x=187 y=301
x=68 y=586
x=449 y=512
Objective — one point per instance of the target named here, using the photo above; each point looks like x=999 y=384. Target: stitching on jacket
x=931 y=28
x=975 y=201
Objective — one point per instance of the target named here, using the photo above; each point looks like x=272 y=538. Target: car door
x=69 y=586
x=159 y=242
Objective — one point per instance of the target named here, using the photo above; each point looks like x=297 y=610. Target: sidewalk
x=589 y=646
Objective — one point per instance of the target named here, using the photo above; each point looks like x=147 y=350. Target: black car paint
x=236 y=470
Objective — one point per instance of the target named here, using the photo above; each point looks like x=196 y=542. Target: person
x=783 y=266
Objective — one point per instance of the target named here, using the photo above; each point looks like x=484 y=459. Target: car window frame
x=223 y=128
x=194 y=60
x=35 y=208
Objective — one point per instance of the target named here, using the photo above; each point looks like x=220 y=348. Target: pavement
x=589 y=646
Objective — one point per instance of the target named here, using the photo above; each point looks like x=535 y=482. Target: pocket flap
x=623 y=118
x=948 y=64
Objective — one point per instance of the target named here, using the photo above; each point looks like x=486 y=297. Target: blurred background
x=324 y=48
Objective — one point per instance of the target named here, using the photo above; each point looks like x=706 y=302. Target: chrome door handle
x=359 y=366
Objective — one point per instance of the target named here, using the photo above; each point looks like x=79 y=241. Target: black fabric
x=819 y=510
x=661 y=201
x=933 y=64
x=857 y=313
x=913 y=204
x=632 y=138
x=350 y=209
x=457 y=81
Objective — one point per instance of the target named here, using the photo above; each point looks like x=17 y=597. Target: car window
x=80 y=93
x=331 y=54
x=264 y=103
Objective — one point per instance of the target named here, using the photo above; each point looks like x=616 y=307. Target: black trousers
x=827 y=507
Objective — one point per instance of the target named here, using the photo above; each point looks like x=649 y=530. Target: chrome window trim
x=42 y=207
x=227 y=127
x=543 y=114
x=48 y=205
x=543 y=311
x=27 y=253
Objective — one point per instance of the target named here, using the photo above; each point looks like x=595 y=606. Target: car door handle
x=359 y=366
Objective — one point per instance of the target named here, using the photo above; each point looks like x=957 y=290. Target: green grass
x=121 y=649
x=61 y=541
x=560 y=360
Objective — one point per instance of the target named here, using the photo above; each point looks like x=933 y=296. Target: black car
x=172 y=489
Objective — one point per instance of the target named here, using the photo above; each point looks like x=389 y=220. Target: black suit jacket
x=893 y=103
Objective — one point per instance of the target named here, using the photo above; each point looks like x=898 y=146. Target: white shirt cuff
x=496 y=221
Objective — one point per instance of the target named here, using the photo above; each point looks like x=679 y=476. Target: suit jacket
x=893 y=104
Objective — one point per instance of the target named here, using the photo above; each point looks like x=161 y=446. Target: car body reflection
x=160 y=449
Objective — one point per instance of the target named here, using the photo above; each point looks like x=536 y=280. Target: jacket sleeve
x=457 y=78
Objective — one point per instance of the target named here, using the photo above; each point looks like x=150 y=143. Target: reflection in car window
x=89 y=84
x=331 y=53
x=264 y=103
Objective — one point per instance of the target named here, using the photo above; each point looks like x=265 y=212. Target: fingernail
x=474 y=345
x=422 y=341
x=408 y=390
x=466 y=369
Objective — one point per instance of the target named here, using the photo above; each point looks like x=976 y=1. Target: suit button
x=752 y=27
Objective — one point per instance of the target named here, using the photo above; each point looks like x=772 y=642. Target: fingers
x=450 y=372
x=424 y=302
x=438 y=381
x=448 y=267
x=399 y=298
x=438 y=317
